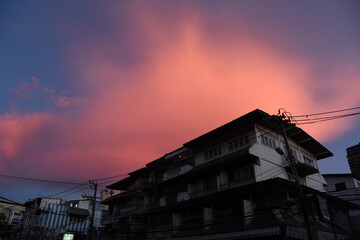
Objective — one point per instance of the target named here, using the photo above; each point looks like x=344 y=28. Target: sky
x=91 y=89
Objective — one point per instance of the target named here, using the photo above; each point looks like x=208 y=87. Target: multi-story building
x=230 y=183
x=345 y=186
x=52 y=217
x=353 y=156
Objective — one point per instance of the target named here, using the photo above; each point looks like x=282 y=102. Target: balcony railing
x=183 y=196
x=237 y=183
x=176 y=172
x=138 y=186
x=203 y=192
x=301 y=180
x=128 y=209
x=303 y=168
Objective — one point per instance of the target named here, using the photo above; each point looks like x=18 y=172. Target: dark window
x=340 y=186
x=210 y=183
x=231 y=145
x=220 y=150
x=231 y=176
x=236 y=145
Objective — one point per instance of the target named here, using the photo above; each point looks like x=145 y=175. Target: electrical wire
x=329 y=112
x=288 y=114
x=78 y=190
x=261 y=215
x=37 y=180
x=329 y=119
x=115 y=176
x=80 y=185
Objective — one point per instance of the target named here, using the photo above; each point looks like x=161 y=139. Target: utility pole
x=93 y=203
x=296 y=177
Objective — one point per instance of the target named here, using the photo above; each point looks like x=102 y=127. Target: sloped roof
x=264 y=119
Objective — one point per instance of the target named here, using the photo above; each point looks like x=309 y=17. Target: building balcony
x=303 y=168
x=138 y=186
x=203 y=192
x=292 y=178
x=183 y=196
x=176 y=172
x=168 y=199
x=128 y=209
x=237 y=183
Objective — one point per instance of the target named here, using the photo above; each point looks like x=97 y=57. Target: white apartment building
x=229 y=183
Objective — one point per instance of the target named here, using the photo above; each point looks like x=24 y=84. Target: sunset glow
x=151 y=78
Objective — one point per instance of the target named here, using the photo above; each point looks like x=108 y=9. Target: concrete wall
x=272 y=163
x=352 y=193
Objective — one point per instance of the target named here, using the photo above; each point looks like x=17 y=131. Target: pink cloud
x=35 y=89
x=26 y=88
x=17 y=130
x=64 y=101
x=188 y=81
x=198 y=75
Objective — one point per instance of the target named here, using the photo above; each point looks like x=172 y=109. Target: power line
x=328 y=118
x=115 y=176
x=321 y=113
x=38 y=180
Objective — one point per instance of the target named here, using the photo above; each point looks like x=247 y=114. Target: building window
x=340 y=186
x=213 y=153
x=244 y=173
x=268 y=141
x=210 y=183
x=246 y=139
x=293 y=152
x=309 y=161
x=238 y=142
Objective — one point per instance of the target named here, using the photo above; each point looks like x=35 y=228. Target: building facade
x=345 y=186
x=11 y=211
x=230 y=183
x=353 y=156
x=54 y=216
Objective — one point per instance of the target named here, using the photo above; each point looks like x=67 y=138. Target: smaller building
x=11 y=214
x=11 y=211
x=345 y=186
x=353 y=156
x=50 y=217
